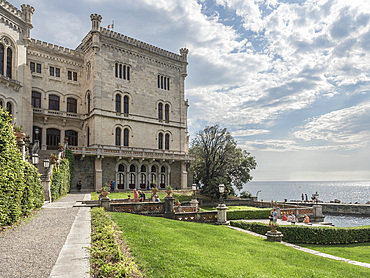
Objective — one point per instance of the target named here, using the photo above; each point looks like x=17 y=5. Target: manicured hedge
x=60 y=180
x=248 y=214
x=106 y=256
x=311 y=235
x=20 y=187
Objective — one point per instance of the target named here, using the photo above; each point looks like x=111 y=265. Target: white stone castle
x=118 y=102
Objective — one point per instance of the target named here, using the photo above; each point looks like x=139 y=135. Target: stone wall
x=84 y=171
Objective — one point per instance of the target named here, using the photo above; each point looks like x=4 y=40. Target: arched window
x=167 y=112
x=162 y=183
x=160 y=141
x=126 y=137
x=88 y=103
x=143 y=168
x=126 y=105
x=36 y=99
x=118 y=103
x=1 y=103
x=121 y=177
x=160 y=111
x=9 y=60
x=9 y=108
x=132 y=176
x=72 y=137
x=54 y=102
x=163 y=169
x=118 y=136
x=71 y=105
x=88 y=136
x=167 y=141
x=2 y=59
x=142 y=177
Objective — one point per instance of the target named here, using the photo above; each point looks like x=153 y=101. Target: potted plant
x=60 y=146
x=104 y=192
x=169 y=191
x=154 y=190
x=53 y=157
x=19 y=134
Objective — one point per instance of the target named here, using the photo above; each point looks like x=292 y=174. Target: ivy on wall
x=62 y=176
x=20 y=186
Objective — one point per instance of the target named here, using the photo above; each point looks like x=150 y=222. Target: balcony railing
x=58 y=113
x=133 y=153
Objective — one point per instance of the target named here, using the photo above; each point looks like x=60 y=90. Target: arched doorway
x=121 y=177
x=52 y=138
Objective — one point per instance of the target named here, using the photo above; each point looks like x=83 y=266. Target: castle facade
x=119 y=102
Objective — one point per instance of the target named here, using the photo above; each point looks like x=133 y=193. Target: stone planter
x=104 y=194
x=168 y=193
x=19 y=135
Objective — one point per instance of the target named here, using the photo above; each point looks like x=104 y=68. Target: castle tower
x=27 y=12
x=95 y=30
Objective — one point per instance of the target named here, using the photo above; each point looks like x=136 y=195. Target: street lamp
x=35 y=159
x=221 y=189
x=46 y=163
x=194 y=187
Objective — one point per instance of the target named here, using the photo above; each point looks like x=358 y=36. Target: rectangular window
x=51 y=71
x=69 y=75
x=57 y=72
x=128 y=73
x=38 y=68
x=32 y=67
x=72 y=105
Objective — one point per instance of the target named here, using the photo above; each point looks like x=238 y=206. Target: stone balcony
x=57 y=113
x=132 y=153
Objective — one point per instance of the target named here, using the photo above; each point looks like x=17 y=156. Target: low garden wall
x=311 y=235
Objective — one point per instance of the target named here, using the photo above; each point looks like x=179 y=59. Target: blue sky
x=289 y=79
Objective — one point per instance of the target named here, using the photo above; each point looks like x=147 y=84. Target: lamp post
x=221 y=208
x=46 y=163
x=194 y=202
x=221 y=189
x=35 y=159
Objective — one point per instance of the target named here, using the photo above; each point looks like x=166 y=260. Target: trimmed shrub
x=106 y=256
x=248 y=214
x=20 y=188
x=60 y=180
x=311 y=235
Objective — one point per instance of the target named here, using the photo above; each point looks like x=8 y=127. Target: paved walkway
x=317 y=253
x=49 y=244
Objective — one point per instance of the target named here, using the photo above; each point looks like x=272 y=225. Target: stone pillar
x=221 y=215
x=317 y=213
x=98 y=174
x=169 y=203
x=194 y=203
x=46 y=188
x=105 y=203
x=184 y=175
x=22 y=148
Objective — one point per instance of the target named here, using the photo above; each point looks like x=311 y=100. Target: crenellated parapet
x=56 y=48
x=10 y=8
x=140 y=44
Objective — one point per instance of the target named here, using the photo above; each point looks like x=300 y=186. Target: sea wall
x=341 y=209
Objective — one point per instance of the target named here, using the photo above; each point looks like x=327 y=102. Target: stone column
x=98 y=174
x=184 y=175
x=221 y=215
x=169 y=202
x=317 y=213
x=105 y=203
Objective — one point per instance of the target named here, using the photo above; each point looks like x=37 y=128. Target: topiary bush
x=311 y=235
x=20 y=188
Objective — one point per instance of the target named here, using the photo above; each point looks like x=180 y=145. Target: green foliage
x=248 y=214
x=106 y=257
x=219 y=160
x=60 y=180
x=245 y=194
x=71 y=158
x=311 y=235
x=20 y=188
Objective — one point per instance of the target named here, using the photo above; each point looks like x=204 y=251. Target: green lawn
x=178 y=195
x=234 y=208
x=358 y=251
x=169 y=248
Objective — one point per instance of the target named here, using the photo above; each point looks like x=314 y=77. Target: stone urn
x=19 y=135
x=168 y=193
x=154 y=190
x=104 y=194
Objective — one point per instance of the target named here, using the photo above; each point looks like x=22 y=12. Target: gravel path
x=31 y=249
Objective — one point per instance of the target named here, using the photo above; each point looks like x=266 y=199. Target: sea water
x=345 y=191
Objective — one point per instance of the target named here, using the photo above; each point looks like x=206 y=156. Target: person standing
x=112 y=186
x=293 y=219
x=274 y=216
x=79 y=186
x=136 y=195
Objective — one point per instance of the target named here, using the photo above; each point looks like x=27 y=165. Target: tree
x=219 y=160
